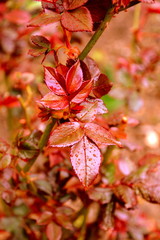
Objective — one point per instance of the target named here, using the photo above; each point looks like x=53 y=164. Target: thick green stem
x=29 y=165
x=43 y=141
x=96 y=35
x=45 y=136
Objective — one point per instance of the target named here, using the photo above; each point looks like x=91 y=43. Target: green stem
x=83 y=228
x=9 y=110
x=136 y=23
x=101 y=29
x=24 y=107
x=136 y=17
x=29 y=165
x=45 y=136
x=43 y=141
x=96 y=35
x=108 y=153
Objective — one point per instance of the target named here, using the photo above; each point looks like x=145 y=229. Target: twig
x=42 y=143
x=101 y=29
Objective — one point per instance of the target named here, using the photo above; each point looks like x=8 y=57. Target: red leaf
x=100 y=135
x=54 y=81
x=154 y=8
x=62 y=69
x=72 y=4
x=45 y=218
x=40 y=41
x=10 y=101
x=4 y=146
x=98 y=10
x=5 y=161
x=86 y=160
x=44 y=19
x=3 y=8
x=74 y=78
x=42 y=46
x=83 y=92
x=118 y=133
x=125 y=3
x=126 y=195
x=36 y=52
x=66 y=134
x=18 y=16
x=55 y=158
x=147 y=1
x=122 y=2
x=101 y=86
x=50 y=100
x=102 y=195
x=85 y=70
x=149 y=184
x=59 y=6
x=63 y=217
x=93 y=68
x=91 y=107
x=48 y=4
x=77 y=20
x=53 y=231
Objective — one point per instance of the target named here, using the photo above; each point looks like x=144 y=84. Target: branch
x=45 y=136
x=131 y=4
x=101 y=29
x=42 y=143
x=96 y=35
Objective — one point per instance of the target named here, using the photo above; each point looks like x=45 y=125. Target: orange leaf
x=77 y=20
x=18 y=16
x=51 y=100
x=66 y=134
x=53 y=231
x=101 y=86
x=72 y=4
x=100 y=135
x=44 y=19
x=40 y=41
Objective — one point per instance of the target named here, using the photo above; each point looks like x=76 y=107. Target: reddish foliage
x=10 y=101
x=78 y=188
